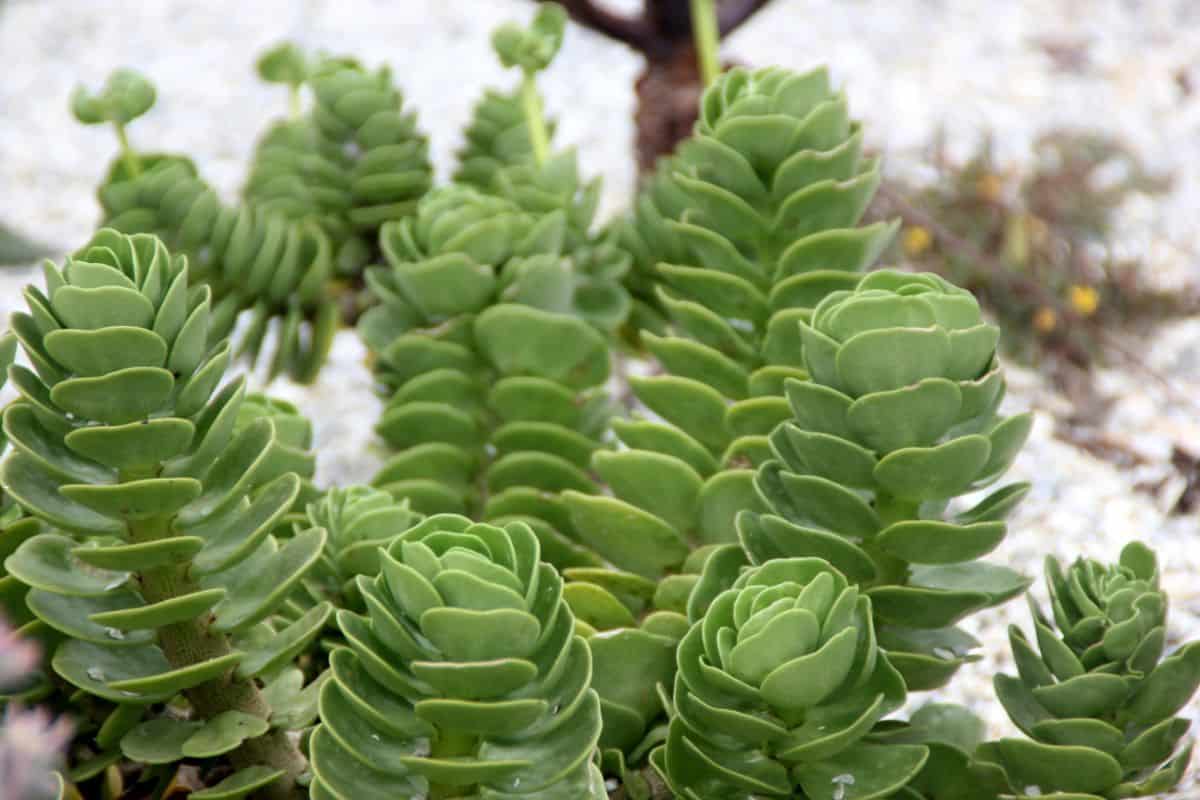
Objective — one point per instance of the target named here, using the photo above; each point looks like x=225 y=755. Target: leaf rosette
x=1095 y=696
x=778 y=688
x=464 y=678
x=361 y=522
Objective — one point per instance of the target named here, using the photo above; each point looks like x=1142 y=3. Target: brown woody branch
x=732 y=13
x=633 y=31
x=662 y=19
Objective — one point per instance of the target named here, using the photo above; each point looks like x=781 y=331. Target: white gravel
x=909 y=66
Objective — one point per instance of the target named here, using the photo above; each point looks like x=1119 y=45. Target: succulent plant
x=897 y=419
x=1096 y=697
x=717 y=579
x=511 y=130
x=385 y=158
x=254 y=260
x=745 y=264
x=163 y=563
x=352 y=162
x=508 y=154
x=778 y=689
x=495 y=377
x=293 y=175
x=765 y=195
x=739 y=256
x=361 y=521
x=497 y=136
x=294 y=172
x=464 y=677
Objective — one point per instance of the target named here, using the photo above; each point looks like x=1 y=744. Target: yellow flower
x=917 y=240
x=1084 y=299
x=1045 y=320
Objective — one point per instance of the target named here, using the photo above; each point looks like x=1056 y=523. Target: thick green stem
x=531 y=104
x=450 y=746
x=132 y=163
x=892 y=571
x=193 y=642
x=294 y=100
x=707 y=38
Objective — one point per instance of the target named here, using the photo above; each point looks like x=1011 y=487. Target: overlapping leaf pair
x=463 y=679
x=162 y=570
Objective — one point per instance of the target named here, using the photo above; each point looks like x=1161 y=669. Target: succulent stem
x=892 y=570
x=128 y=155
x=294 y=100
x=531 y=103
x=193 y=642
x=451 y=745
x=707 y=38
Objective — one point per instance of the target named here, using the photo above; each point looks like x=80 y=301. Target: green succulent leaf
x=532 y=48
x=240 y=784
x=125 y=97
x=159 y=741
x=861 y=772
x=223 y=733
x=283 y=63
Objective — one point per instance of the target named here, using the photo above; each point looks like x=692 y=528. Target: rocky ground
x=910 y=67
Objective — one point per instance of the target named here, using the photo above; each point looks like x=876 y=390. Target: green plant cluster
x=692 y=505
x=320 y=186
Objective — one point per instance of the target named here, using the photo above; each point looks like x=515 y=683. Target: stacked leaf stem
x=161 y=566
